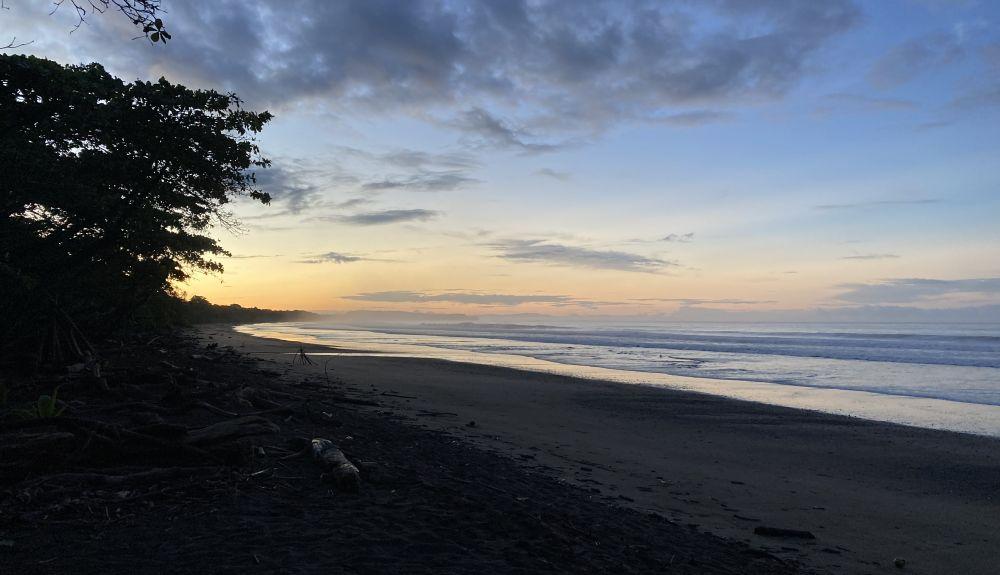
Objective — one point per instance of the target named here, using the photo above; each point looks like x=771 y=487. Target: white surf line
x=978 y=419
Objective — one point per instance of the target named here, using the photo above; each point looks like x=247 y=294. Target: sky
x=632 y=158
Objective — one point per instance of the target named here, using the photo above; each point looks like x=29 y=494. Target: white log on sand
x=339 y=469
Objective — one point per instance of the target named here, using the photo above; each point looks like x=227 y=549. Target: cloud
x=581 y=66
x=678 y=238
x=286 y=183
x=554 y=174
x=408 y=158
x=877 y=204
x=351 y=203
x=699 y=301
x=913 y=57
x=252 y=256
x=298 y=186
x=423 y=182
x=693 y=118
x=984 y=91
x=911 y=290
x=933 y=125
x=384 y=217
x=489 y=131
x=413 y=170
x=980 y=97
x=861 y=101
x=541 y=251
x=871 y=257
x=460 y=297
x=332 y=257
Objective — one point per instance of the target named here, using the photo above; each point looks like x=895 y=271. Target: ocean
x=918 y=374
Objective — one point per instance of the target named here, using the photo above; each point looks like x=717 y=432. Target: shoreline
x=921 y=412
x=870 y=491
x=189 y=456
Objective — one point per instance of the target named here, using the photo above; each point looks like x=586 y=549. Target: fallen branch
x=231 y=430
x=425 y=413
x=110 y=480
x=107 y=432
x=352 y=401
x=779 y=532
x=216 y=410
x=388 y=394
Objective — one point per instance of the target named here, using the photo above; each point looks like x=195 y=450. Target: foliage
x=109 y=191
x=45 y=407
x=171 y=310
x=144 y=14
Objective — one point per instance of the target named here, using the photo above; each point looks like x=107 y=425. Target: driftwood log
x=230 y=430
x=339 y=470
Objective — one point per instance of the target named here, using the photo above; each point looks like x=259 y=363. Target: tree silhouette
x=110 y=190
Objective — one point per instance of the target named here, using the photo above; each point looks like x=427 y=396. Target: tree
x=110 y=190
x=144 y=14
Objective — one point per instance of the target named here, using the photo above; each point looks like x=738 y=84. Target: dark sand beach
x=472 y=469
x=132 y=478
x=869 y=492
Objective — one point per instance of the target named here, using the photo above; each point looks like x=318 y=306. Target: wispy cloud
x=460 y=297
x=332 y=257
x=979 y=97
x=678 y=238
x=422 y=182
x=933 y=125
x=413 y=170
x=542 y=251
x=871 y=257
x=877 y=204
x=909 y=290
x=295 y=186
x=421 y=160
x=487 y=130
x=915 y=56
x=864 y=102
x=554 y=174
x=985 y=90
x=693 y=118
x=351 y=203
x=382 y=217
x=700 y=301
x=252 y=256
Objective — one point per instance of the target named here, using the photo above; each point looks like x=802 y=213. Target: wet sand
x=869 y=492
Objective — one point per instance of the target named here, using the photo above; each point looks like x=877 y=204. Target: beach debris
x=302 y=358
x=339 y=470
x=255 y=397
x=231 y=429
x=429 y=413
x=780 y=532
x=899 y=562
x=391 y=394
